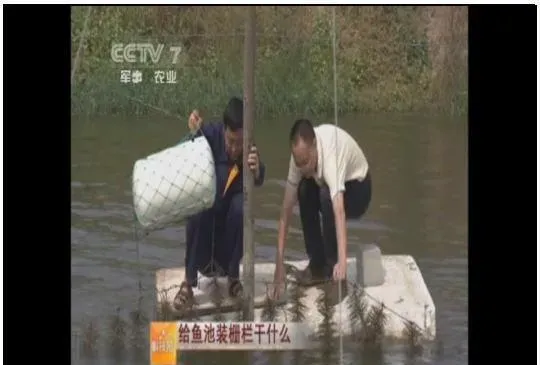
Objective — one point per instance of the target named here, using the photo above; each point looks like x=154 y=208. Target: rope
x=136 y=236
x=164 y=111
x=335 y=144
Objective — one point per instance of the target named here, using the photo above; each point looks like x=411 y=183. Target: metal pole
x=249 y=116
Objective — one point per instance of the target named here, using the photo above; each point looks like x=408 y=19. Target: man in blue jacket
x=214 y=238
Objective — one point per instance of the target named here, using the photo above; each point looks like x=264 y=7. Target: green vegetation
x=392 y=58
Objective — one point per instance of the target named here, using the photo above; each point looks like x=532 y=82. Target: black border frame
x=502 y=98
x=37 y=113
x=37 y=110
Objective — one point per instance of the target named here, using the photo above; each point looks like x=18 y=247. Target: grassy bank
x=389 y=59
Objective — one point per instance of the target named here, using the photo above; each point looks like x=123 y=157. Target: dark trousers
x=214 y=241
x=315 y=201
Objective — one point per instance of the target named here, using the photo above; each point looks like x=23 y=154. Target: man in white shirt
x=328 y=174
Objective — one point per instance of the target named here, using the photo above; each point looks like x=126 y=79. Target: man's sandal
x=184 y=299
x=236 y=290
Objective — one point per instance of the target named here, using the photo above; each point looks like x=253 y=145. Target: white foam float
x=403 y=292
x=174 y=183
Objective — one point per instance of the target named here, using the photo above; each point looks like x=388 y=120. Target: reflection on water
x=419 y=208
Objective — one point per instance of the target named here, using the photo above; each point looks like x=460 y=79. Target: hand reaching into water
x=340 y=270
x=278 y=287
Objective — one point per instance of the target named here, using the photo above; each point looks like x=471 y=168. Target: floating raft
x=403 y=292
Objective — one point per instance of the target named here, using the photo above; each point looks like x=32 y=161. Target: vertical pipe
x=249 y=116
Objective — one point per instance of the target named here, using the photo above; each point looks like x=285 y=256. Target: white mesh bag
x=174 y=184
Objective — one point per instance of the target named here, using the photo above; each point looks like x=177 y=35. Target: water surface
x=419 y=207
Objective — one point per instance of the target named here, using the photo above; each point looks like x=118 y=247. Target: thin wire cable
x=340 y=310
x=81 y=42
x=164 y=111
x=137 y=237
x=406 y=320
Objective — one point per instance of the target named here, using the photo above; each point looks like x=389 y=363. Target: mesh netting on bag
x=174 y=184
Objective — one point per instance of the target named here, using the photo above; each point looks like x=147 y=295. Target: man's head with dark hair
x=304 y=147
x=233 y=119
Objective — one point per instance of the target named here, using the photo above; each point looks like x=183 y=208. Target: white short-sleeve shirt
x=340 y=159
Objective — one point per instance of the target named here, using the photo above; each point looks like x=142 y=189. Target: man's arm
x=199 y=128
x=341 y=225
x=289 y=200
x=334 y=176
x=210 y=130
